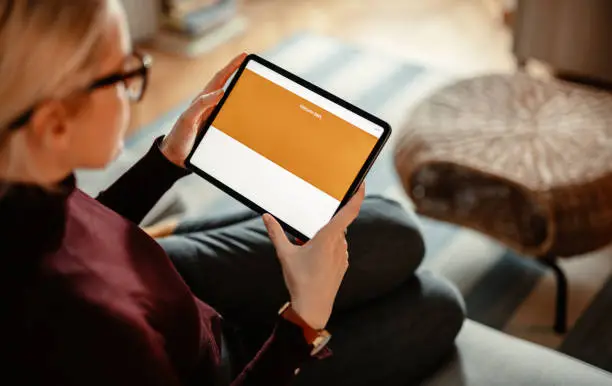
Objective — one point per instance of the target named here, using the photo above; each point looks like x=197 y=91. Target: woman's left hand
x=178 y=143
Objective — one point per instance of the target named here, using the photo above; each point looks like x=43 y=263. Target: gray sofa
x=488 y=357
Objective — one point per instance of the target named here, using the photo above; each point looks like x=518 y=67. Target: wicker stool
x=524 y=161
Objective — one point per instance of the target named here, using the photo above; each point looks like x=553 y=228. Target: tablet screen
x=289 y=150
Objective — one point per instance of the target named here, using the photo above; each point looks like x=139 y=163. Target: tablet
x=284 y=146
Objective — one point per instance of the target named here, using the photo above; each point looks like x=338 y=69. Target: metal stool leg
x=560 y=325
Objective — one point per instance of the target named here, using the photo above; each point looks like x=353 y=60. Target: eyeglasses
x=135 y=78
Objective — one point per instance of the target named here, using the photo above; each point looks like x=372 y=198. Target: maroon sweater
x=89 y=299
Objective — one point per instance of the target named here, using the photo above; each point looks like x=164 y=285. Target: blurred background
x=191 y=39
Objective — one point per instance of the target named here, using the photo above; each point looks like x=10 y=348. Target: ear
x=49 y=127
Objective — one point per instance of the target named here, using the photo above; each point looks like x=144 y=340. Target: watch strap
x=316 y=338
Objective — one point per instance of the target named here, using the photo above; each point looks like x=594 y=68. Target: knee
x=443 y=313
x=412 y=332
x=383 y=229
x=440 y=314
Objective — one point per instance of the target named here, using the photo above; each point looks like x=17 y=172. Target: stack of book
x=194 y=27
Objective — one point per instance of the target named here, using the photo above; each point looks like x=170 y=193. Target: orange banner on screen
x=310 y=142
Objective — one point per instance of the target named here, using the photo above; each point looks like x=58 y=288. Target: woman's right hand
x=314 y=271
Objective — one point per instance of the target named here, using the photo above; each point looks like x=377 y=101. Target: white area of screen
x=278 y=191
x=316 y=99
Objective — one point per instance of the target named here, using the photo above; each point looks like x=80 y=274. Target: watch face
x=320 y=342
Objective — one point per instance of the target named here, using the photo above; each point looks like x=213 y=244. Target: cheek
x=114 y=115
x=117 y=119
x=117 y=112
x=101 y=137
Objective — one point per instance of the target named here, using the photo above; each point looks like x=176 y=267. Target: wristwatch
x=318 y=339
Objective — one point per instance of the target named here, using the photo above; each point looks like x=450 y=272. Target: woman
x=89 y=298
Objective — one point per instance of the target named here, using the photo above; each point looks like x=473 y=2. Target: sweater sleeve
x=134 y=194
x=279 y=360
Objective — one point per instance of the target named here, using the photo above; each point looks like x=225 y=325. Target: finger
x=221 y=77
x=207 y=108
x=338 y=241
x=201 y=108
x=343 y=265
x=348 y=213
x=341 y=247
x=277 y=235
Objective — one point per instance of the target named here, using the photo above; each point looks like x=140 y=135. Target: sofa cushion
x=488 y=357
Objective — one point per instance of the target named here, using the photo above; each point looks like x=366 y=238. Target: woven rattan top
x=539 y=134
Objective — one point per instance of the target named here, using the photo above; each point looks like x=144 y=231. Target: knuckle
x=204 y=100
x=200 y=95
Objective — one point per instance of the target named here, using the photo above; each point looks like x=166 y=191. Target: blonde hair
x=47 y=48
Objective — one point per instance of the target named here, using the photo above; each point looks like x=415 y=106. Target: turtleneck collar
x=32 y=218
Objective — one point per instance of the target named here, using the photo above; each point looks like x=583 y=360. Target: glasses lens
x=134 y=87
x=135 y=84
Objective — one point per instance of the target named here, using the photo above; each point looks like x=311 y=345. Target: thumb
x=277 y=235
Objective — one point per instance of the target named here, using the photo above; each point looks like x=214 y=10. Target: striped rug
x=502 y=289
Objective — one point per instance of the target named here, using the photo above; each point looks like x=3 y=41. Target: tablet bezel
x=304 y=83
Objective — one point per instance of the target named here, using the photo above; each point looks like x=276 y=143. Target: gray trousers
x=392 y=324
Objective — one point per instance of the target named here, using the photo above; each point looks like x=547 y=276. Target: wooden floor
x=465 y=34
